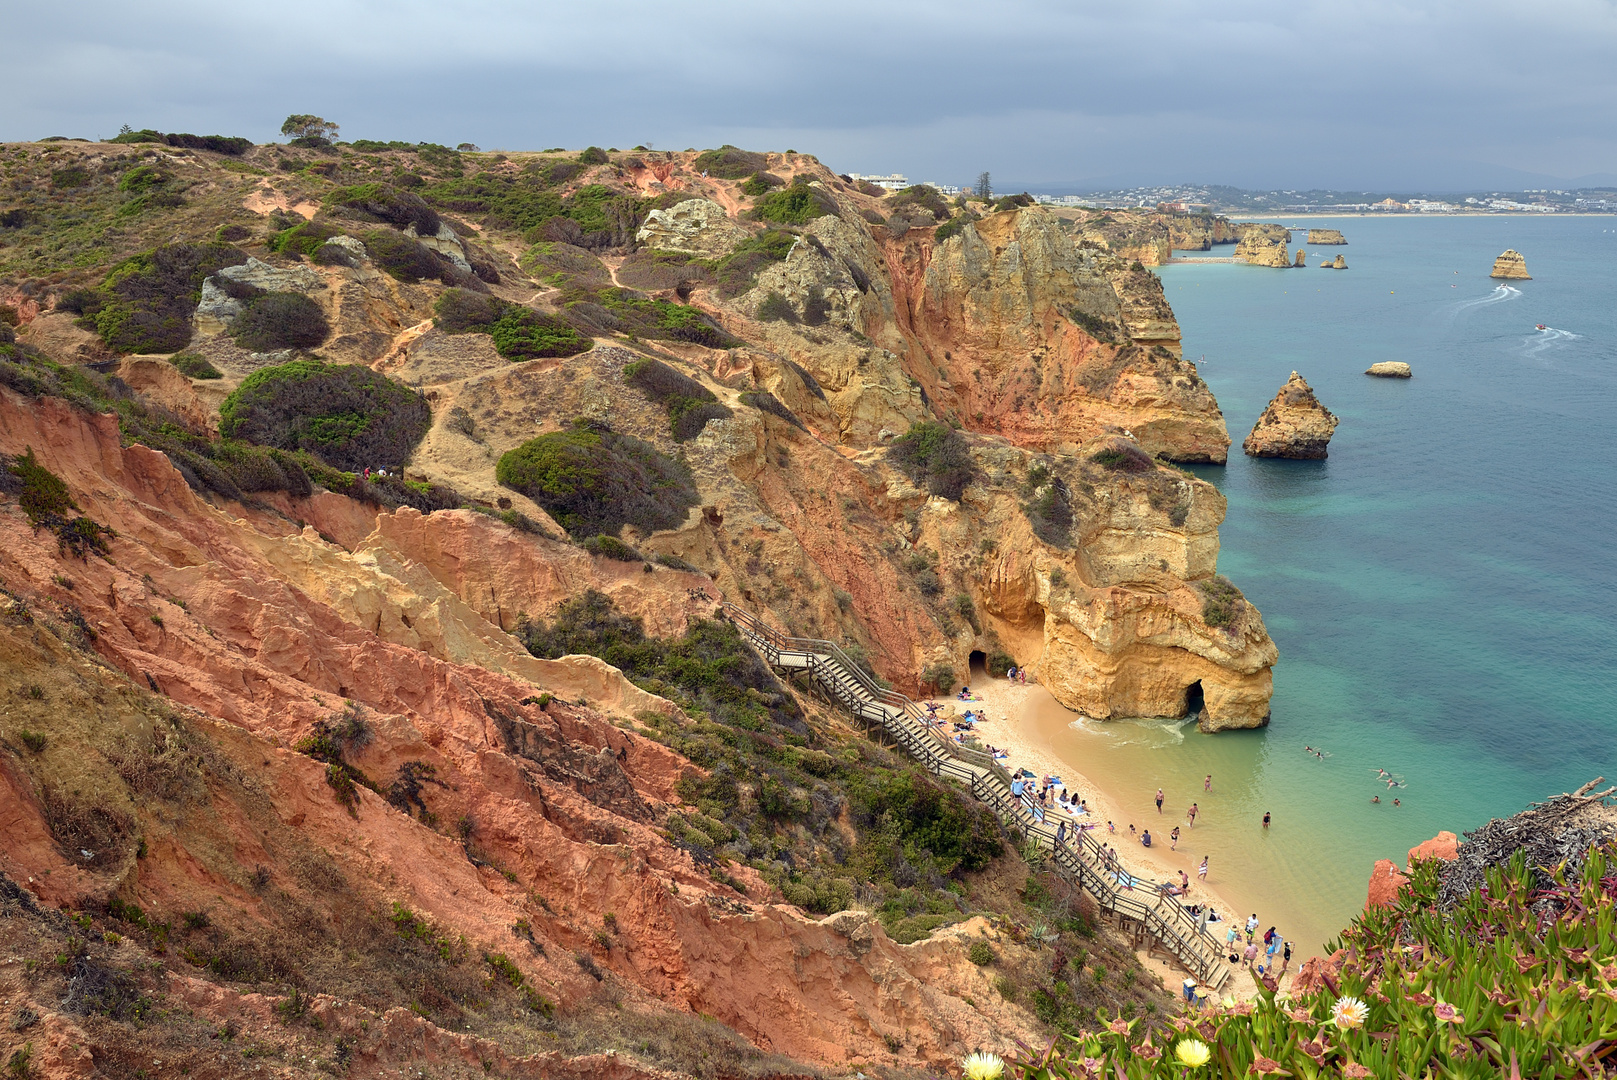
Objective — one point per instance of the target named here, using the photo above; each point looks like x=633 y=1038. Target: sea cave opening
x=1195 y=700
x=979 y=664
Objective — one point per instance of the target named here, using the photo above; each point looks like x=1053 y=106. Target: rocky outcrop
x=1338 y=263
x=1511 y=266
x=1326 y=236
x=1302 y=258
x=1387 y=881
x=1295 y=425
x=1389 y=369
x=1262 y=233
x=695 y=226
x=216 y=307
x=1024 y=334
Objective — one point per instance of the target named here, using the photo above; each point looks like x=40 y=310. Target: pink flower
x=1419 y=998
x=1447 y=1013
x=1316 y=1049
x=1268 y=1067
x=1301 y=1015
x=1146 y=1050
x=1354 y=1071
x=1118 y=1027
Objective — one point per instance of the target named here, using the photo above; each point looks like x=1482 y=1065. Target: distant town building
x=1389 y=204
x=891 y=181
x=1431 y=206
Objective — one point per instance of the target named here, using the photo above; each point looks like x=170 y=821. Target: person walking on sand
x=1173 y=839
x=1207 y=784
x=1266 y=819
x=1285 y=962
x=1159 y=800
x=1201 y=871
x=1191 y=814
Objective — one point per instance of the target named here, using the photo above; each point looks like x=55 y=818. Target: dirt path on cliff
x=1002 y=701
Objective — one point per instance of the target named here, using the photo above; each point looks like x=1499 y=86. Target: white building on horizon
x=890 y=181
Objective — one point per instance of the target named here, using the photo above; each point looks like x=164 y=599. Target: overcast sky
x=1425 y=94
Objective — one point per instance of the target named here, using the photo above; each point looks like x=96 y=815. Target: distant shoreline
x=1421 y=217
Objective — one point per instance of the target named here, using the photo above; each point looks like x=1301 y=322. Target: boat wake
x=1546 y=339
x=1500 y=294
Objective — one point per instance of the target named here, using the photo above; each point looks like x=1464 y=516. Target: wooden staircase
x=1158 y=921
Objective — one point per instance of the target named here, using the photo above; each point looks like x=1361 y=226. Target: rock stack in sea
x=1340 y=263
x=1389 y=369
x=1326 y=236
x=1511 y=265
x=1301 y=256
x=1295 y=424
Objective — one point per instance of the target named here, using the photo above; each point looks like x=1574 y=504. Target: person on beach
x=1110 y=827
x=1207 y=785
x=1133 y=832
x=1011 y=673
x=1191 y=813
x=1201 y=871
x=1021 y=676
x=1173 y=839
x=1286 y=960
x=1230 y=936
x=1145 y=838
x=1184 y=882
x=1275 y=941
x=1252 y=926
x=1250 y=953
x=1159 y=800
x=1266 y=819
x=1061 y=834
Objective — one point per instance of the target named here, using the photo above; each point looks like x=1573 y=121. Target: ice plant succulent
x=1192 y=1052
x=1349 y=1012
x=983 y=1066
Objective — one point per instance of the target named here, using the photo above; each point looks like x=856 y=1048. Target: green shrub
x=142 y=178
x=521 y=333
x=33 y=740
x=795 y=205
x=1101 y=329
x=458 y=311
x=1123 y=457
x=593 y=480
x=403 y=258
x=42 y=492
x=939 y=676
x=935 y=458
x=948 y=229
x=280 y=320
x=924 y=196
x=980 y=953
x=1049 y=512
x=346 y=415
x=656 y=270
x=304 y=239
x=146 y=303
x=385 y=203
x=730 y=163
x=195 y=366
x=593 y=155
x=761 y=183
x=610 y=547
x=776 y=308
x=1222 y=602
x=690 y=405
x=71 y=176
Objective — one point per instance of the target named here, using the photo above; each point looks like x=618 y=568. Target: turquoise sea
x=1442 y=589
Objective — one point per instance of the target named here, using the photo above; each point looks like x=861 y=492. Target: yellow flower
x=1192 y=1052
x=1350 y=1012
x=981 y=1066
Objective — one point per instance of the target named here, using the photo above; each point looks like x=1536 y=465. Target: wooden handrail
x=1082 y=862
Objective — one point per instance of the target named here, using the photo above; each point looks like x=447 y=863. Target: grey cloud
x=1252 y=92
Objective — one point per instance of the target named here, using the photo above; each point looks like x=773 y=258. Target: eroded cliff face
x=263 y=629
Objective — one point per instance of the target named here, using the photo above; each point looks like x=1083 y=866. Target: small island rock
x=1389 y=369
x=1301 y=255
x=1340 y=263
x=1511 y=266
x=1295 y=425
x=1326 y=236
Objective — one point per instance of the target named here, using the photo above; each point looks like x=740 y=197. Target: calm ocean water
x=1443 y=589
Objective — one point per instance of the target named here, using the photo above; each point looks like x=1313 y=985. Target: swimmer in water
x=1375 y=798
x=1395 y=802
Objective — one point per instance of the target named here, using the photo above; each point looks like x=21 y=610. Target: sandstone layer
x=1511 y=266
x=1389 y=369
x=1294 y=425
x=1326 y=236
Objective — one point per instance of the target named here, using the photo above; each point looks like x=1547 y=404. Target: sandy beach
x=1004 y=704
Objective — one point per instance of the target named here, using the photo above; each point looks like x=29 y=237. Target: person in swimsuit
x=1159 y=800
x=1173 y=839
x=1191 y=813
x=1207 y=785
x=1201 y=871
x=1266 y=819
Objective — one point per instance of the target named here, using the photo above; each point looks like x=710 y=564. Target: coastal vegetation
x=1514 y=978
x=346 y=415
x=935 y=458
x=690 y=405
x=593 y=480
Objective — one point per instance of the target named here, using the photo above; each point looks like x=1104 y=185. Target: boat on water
x=1541 y=326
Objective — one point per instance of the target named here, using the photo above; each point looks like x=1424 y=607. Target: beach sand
x=1011 y=724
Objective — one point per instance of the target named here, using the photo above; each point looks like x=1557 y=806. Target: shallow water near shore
x=1443 y=589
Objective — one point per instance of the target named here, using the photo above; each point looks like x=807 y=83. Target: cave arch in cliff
x=1195 y=699
x=978 y=662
